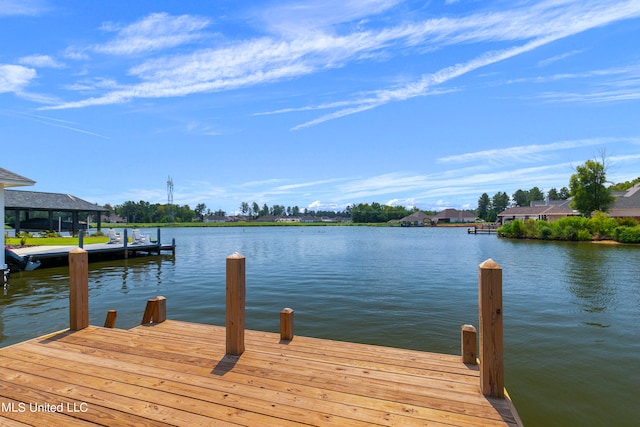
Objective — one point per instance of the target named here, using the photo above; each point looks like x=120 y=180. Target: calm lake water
x=571 y=310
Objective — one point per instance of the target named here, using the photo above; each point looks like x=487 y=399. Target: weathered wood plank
x=320 y=347
x=328 y=380
x=261 y=386
x=176 y=372
x=302 y=412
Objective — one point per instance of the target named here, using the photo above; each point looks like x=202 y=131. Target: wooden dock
x=168 y=372
x=483 y=229
x=59 y=255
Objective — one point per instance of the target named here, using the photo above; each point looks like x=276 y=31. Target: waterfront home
x=454 y=216
x=215 y=218
x=548 y=213
x=416 y=219
x=627 y=204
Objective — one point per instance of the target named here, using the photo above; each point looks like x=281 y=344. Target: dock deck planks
x=177 y=373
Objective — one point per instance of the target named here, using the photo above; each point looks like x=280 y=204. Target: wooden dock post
x=468 y=344
x=491 y=339
x=236 y=295
x=286 y=324
x=110 y=321
x=78 y=289
x=155 y=311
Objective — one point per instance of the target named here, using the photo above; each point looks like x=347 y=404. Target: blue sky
x=316 y=104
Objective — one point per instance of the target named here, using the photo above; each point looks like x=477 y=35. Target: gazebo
x=9 y=179
x=48 y=204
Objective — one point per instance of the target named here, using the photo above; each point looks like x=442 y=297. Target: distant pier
x=484 y=228
x=59 y=255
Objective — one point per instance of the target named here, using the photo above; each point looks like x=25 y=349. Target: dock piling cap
x=77 y=251
x=236 y=255
x=489 y=264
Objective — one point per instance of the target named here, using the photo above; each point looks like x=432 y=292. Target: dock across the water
x=59 y=255
x=483 y=229
x=168 y=372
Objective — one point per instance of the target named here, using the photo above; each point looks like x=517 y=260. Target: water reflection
x=572 y=311
x=587 y=274
x=36 y=302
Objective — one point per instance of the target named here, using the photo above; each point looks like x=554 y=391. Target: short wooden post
x=468 y=344
x=286 y=324
x=491 y=339
x=236 y=295
x=155 y=311
x=78 y=289
x=110 y=321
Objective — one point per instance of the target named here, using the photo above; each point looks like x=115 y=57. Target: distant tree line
x=377 y=213
x=145 y=212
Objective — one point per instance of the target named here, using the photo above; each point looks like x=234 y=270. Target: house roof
x=11 y=179
x=536 y=210
x=629 y=199
x=563 y=202
x=454 y=213
x=15 y=199
x=415 y=217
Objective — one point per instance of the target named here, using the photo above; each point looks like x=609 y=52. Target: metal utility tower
x=170 y=197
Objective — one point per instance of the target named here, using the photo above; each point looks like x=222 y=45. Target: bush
x=583 y=235
x=568 y=228
x=627 y=222
x=544 y=232
x=512 y=229
x=602 y=226
x=628 y=234
x=574 y=228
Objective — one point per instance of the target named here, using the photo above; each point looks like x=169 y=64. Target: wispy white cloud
x=14 y=78
x=547 y=32
x=267 y=59
x=64 y=124
x=22 y=7
x=154 y=32
x=557 y=58
x=527 y=153
x=302 y=16
x=629 y=72
x=42 y=61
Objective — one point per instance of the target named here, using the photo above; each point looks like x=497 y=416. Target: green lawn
x=53 y=241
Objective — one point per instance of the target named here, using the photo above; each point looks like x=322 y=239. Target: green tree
x=256 y=209
x=621 y=186
x=244 y=208
x=553 y=194
x=484 y=205
x=586 y=186
x=277 y=210
x=499 y=202
x=522 y=198
x=200 y=211
x=564 y=193
x=535 y=194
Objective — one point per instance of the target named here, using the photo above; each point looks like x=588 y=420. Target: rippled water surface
x=571 y=310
